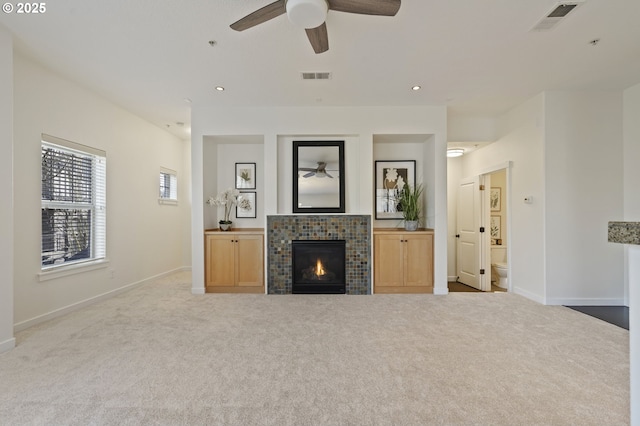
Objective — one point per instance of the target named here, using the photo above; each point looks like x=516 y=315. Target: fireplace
x=318 y=266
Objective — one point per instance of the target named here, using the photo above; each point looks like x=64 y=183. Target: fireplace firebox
x=318 y=267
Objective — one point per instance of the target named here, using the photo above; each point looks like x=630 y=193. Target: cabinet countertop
x=401 y=231
x=235 y=231
x=624 y=232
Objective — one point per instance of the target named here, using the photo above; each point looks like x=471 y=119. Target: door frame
x=507 y=165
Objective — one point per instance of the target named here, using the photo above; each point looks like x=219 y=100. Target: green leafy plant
x=410 y=202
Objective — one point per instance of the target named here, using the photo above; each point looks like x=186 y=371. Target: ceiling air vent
x=553 y=18
x=316 y=75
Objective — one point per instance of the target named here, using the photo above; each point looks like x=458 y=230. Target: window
x=168 y=186
x=73 y=203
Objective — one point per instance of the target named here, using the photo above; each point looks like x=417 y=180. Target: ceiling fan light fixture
x=307 y=13
x=455 y=152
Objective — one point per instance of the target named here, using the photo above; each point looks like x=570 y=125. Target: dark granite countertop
x=624 y=232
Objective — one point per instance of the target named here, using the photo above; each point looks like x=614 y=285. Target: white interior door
x=469 y=249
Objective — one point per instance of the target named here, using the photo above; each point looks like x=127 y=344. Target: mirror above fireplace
x=318 y=177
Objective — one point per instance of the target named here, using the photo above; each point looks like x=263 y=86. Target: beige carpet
x=159 y=355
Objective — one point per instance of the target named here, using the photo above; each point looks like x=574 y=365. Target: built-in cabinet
x=234 y=261
x=402 y=261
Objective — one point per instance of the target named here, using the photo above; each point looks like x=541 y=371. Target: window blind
x=73 y=203
x=168 y=184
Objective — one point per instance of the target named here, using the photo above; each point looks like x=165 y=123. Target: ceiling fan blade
x=261 y=15
x=318 y=38
x=366 y=7
x=328 y=175
x=309 y=174
x=306 y=169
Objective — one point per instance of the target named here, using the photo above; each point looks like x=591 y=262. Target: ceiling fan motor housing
x=307 y=13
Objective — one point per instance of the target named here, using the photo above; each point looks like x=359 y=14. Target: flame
x=319 y=268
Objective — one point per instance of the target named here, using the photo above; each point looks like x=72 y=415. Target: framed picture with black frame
x=390 y=179
x=245 y=176
x=246 y=206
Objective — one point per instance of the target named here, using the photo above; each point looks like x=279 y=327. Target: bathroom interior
x=498 y=230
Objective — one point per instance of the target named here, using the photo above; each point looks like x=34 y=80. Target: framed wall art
x=245 y=175
x=495 y=227
x=391 y=178
x=495 y=199
x=246 y=207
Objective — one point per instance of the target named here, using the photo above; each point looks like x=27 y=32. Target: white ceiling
x=478 y=57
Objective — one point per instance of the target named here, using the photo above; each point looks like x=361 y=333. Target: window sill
x=66 y=270
x=167 y=201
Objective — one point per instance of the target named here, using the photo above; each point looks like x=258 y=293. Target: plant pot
x=410 y=225
x=225 y=226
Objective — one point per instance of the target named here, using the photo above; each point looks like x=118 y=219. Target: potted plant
x=227 y=199
x=410 y=205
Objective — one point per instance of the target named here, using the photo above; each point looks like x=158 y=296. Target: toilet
x=499 y=266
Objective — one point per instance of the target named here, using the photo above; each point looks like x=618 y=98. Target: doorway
x=482 y=232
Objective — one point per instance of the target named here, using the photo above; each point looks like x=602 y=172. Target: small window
x=73 y=203
x=168 y=193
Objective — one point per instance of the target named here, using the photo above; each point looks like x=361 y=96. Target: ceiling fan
x=319 y=172
x=311 y=15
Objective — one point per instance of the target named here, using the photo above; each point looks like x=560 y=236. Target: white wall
x=355 y=124
x=521 y=141
x=631 y=150
x=144 y=238
x=584 y=190
x=566 y=149
x=631 y=154
x=220 y=157
x=7 y=340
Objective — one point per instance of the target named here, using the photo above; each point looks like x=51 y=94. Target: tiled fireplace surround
x=354 y=229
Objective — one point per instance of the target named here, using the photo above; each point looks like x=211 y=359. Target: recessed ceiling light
x=416 y=88
x=455 y=152
x=220 y=88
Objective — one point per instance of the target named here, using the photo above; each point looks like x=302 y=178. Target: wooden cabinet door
x=220 y=263
x=388 y=261
x=418 y=257
x=249 y=260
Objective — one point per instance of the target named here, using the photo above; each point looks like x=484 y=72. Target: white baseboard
x=23 y=325
x=7 y=345
x=196 y=290
x=440 y=291
x=452 y=278
x=529 y=295
x=587 y=302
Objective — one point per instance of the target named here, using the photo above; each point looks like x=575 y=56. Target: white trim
x=452 y=278
x=168 y=201
x=496 y=168
x=53 y=272
x=7 y=345
x=197 y=290
x=587 y=302
x=84 y=149
x=526 y=294
x=439 y=291
x=90 y=301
